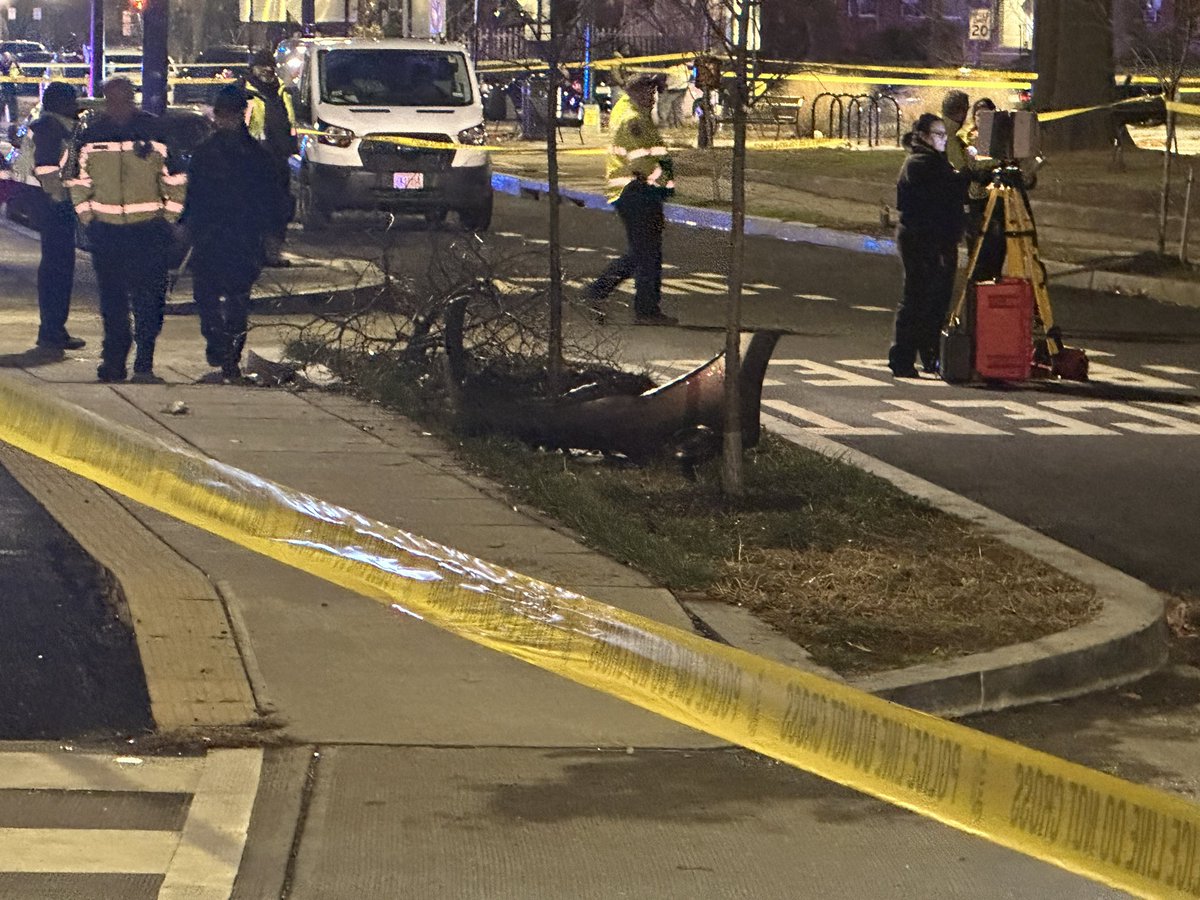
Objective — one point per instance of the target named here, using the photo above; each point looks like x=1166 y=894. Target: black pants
x=283 y=172
x=131 y=268
x=641 y=210
x=56 y=271
x=990 y=264
x=8 y=103
x=223 y=324
x=929 y=266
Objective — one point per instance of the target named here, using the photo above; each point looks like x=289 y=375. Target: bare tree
x=1164 y=51
x=1073 y=47
x=732 y=29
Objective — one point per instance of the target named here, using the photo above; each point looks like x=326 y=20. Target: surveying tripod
x=1022 y=261
x=1021 y=254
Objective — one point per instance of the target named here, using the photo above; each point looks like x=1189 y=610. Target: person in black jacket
x=233 y=202
x=929 y=197
x=50 y=138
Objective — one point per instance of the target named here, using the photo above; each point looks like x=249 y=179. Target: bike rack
x=850 y=109
x=835 y=101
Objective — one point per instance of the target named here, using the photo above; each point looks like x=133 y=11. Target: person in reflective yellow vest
x=272 y=122
x=640 y=178
x=128 y=198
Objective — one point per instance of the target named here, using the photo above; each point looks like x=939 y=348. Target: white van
x=355 y=95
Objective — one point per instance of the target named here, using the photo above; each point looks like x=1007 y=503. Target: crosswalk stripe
x=85 y=771
x=86 y=850
x=210 y=851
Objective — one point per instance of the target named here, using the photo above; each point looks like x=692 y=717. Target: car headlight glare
x=335 y=136
x=476 y=135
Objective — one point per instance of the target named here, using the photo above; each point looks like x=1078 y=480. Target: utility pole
x=154 y=56
x=96 y=41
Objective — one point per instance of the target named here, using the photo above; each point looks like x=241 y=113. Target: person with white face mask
x=929 y=197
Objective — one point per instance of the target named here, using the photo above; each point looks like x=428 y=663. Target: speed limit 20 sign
x=980 y=28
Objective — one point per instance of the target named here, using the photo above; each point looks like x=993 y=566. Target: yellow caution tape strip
x=1129 y=836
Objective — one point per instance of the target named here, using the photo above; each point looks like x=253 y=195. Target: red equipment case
x=1004 y=329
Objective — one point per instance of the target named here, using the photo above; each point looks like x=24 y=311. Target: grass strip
x=863 y=576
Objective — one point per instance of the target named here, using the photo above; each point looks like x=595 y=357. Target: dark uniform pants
x=56 y=271
x=929 y=266
x=640 y=207
x=131 y=268
x=223 y=324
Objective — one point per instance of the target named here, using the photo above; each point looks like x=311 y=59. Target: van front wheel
x=477 y=218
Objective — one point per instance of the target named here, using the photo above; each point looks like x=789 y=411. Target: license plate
x=408 y=181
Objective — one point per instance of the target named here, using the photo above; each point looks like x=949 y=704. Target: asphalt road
x=68 y=665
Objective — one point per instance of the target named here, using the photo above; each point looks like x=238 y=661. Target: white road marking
x=1020 y=412
x=86 y=850
x=1187 y=410
x=816 y=297
x=91 y=772
x=508 y=234
x=1113 y=375
x=833 y=377
x=214 y=835
x=198 y=863
x=881 y=366
x=1158 y=423
x=760 y=286
x=820 y=424
x=928 y=420
x=878 y=309
x=1171 y=370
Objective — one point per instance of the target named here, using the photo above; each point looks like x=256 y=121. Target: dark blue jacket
x=930 y=195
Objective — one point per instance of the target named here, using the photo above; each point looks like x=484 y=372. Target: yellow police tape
x=540 y=148
x=1126 y=835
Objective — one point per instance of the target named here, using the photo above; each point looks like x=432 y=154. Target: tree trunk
x=1073 y=49
x=731 y=469
x=1164 y=197
x=555 y=342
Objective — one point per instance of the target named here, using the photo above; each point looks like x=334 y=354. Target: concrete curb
x=1125 y=642
x=1182 y=293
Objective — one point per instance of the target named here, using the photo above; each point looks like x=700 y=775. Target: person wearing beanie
x=272 y=123
x=233 y=205
x=47 y=143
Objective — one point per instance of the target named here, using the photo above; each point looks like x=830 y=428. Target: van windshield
x=394 y=77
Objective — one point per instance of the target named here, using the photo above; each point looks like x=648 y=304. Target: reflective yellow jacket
x=637 y=152
x=122 y=176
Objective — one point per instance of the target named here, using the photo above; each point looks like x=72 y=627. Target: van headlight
x=476 y=135
x=334 y=135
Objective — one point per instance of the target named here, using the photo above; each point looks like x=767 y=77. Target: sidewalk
x=818 y=204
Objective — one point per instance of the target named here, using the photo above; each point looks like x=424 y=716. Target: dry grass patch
x=944 y=593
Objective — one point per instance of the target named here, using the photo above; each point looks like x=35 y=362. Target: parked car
x=221 y=61
x=1144 y=104
x=184 y=129
x=32 y=58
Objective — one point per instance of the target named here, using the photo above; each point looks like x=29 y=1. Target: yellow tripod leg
x=1022 y=228
x=988 y=211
